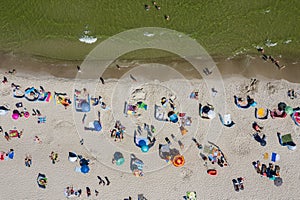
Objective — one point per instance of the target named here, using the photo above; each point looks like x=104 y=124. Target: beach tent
x=18 y=94
x=72 y=157
x=206 y=112
x=42 y=180
x=226 y=121
x=261 y=113
x=296 y=117
x=288 y=141
x=31 y=94
x=3 y=110
x=173 y=117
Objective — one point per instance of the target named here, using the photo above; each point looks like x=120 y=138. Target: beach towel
x=129 y=109
x=142 y=105
x=45 y=97
x=14 y=133
x=159 y=114
x=41 y=120
x=274 y=157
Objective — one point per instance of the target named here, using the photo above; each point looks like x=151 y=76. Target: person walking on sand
x=101 y=180
x=28 y=161
x=4 y=80
x=278 y=66
x=78 y=68
x=102 y=80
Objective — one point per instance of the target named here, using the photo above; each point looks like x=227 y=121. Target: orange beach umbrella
x=178 y=161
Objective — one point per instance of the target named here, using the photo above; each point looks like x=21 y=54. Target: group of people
x=118 y=131
x=272 y=171
x=54 y=157
x=157 y=7
x=272 y=59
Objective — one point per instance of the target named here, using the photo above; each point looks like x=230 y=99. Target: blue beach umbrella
x=85 y=169
x=85 y=106
x=97 y=125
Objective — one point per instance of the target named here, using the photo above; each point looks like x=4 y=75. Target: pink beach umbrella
x=15 y=115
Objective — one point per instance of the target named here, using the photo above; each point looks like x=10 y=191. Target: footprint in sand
x=185 y=173
x=271 y=88
x=241 y=147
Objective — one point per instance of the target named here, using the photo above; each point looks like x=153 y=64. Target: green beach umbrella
x=289 y=110
x=120 y=161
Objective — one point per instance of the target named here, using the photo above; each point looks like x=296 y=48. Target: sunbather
x=241 y=103
x=261 y=140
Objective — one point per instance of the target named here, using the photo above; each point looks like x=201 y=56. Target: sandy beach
x=63 y=130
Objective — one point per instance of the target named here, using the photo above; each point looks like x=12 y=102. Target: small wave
x=88 y=39
x=287 y=41
x=149 y=34
x=270 y=44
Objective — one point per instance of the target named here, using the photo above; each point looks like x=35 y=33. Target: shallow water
x=223 y=27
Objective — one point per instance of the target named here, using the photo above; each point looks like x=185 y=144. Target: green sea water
x=52 y=28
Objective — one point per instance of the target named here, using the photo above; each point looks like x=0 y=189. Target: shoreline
x=245 y=66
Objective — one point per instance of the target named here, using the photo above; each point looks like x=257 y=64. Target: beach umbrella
x=85 y=106
x=281 y=106
x=211 y=114
x=173 y=118
x=278 y=181
x=85 y=169
x=11 y=155
x=296 y=118
x=119 y=158
x=145 y=148
x=178 y=161
x=120 y=161
x=289 y=110
x=97 y=125
x=15 y=115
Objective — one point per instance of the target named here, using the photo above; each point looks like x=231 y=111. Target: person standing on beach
x=102 y=80
x=4 y=80
x=78 y=68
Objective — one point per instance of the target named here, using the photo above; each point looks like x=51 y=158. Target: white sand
x=161 y=181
